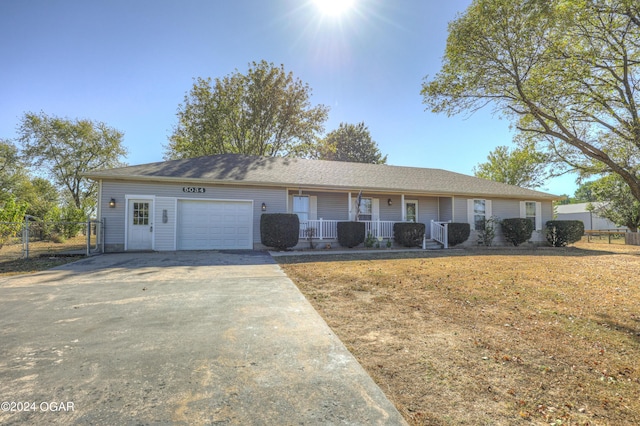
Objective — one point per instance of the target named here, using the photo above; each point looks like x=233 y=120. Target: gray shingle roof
x=296 y=172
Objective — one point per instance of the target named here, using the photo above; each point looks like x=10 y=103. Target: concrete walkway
x=175 y=338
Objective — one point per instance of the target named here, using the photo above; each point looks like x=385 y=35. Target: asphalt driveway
x=175 y=338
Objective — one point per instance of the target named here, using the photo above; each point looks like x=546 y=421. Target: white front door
x=411 y=210
x=140 y=225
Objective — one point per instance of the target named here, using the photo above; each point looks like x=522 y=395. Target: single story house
x=215 y=202
x=591 y=220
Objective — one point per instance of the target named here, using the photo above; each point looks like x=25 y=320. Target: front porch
x=327 y=230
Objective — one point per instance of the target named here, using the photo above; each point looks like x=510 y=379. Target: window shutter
x=470 y=219
x=523 y=209
x=313 y=207
x=538 y=216
x=375 y=209
x=290 y=207
x=488 y=212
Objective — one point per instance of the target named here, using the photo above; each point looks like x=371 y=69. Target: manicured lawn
x=547 y=336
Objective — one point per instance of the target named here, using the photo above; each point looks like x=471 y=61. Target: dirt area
x=43 y=255
x=490 y=336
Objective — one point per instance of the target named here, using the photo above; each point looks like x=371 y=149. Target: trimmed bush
x=350 y=234
x=517 y=230
x=458 y=233
x=408 y=234
x=561 y=233
x=279 y=230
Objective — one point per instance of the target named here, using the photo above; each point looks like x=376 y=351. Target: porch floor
x=341 y=250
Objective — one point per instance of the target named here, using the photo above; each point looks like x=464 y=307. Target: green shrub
x=487 y=231
x=408 y=234
x=564 y=232
x=458 y=233
x=517 y=230
x=279 y=230
x=350 y=234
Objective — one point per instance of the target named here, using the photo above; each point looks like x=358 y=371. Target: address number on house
x=193 y=189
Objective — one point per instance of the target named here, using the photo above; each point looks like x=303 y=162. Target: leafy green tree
x=351 y=142
x=565 y=72
x=524 y=167
x=67 y=149
x=615 y=202
x=40 y=195
x=584 y=193
x=12 y=170
x=64 y=221
x=263 y=112
x=11 y=218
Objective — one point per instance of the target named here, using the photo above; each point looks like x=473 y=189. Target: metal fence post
x=25 y=236
x=88 y=236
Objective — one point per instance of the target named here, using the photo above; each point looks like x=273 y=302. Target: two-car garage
x=214 y=225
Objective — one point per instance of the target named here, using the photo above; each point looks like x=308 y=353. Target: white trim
x=213 y=200
x=404 y=208
x=453 y=209
x=471 y=212
x=404 y=214
x=152 y=207
x=538 y=207
x=99 y=230
x=375 y=209
x=175 y=224
x=313 y=207
x=286 y=200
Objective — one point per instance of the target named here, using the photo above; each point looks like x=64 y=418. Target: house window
x=366 y=209
x=301 y=207
x=530 y=212
x=140 y=213
x=479 y=214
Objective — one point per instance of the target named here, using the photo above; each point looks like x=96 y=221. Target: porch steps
x=432 y=245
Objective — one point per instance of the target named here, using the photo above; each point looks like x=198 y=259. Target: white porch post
x=402 y=206
x=350 y=204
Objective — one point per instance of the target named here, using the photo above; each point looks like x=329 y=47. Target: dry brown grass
x=548 y=336
x=43 y=255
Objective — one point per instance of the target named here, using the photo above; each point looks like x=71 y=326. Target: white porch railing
x=378 y=228
x=322 y=229
x=328 y=229
x=439 y=232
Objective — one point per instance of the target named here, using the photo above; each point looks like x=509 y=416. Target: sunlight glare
x=334 y=7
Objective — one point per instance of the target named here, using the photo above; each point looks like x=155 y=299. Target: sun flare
x=334 y=7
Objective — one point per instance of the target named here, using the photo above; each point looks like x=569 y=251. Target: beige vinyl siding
x=274 y=198
x=165 y=232
x=393 y=211
x=332 y=205
x=445 y=207
x=460 y=210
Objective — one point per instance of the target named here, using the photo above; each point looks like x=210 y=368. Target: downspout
x=453 y=208
x=100 y=219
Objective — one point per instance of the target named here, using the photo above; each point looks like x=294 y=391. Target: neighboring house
x=591 y=220
x=215 y=202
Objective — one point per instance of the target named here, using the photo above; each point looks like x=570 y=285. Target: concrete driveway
x=175 y=338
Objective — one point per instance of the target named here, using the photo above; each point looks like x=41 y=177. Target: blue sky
x=130 y=64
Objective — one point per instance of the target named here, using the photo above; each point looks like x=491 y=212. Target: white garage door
x=214 y=225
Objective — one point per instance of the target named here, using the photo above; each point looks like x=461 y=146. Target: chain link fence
x=37 y=238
